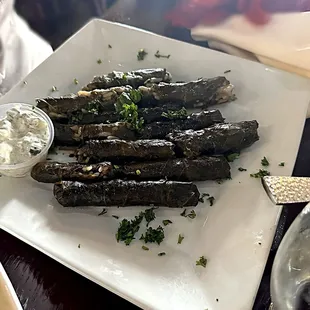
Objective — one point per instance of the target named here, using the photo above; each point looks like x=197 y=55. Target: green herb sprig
x=127 y=229
x=179 y=114
x=153 y=235
x=127 y=107
x=149 y=215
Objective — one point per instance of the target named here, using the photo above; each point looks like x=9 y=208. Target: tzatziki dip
x=23 y=134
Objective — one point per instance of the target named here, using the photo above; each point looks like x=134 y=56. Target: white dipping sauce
x=23 y=134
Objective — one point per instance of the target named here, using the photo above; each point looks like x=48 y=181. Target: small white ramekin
x=22 y=169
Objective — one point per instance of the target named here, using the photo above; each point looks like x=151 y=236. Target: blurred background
x=57 y=20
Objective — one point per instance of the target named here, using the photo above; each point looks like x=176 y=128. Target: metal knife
x=286 y=190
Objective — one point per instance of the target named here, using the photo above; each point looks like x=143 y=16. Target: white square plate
x=235 y=234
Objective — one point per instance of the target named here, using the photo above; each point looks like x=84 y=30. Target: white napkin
x=21 y=50
x=284 y=43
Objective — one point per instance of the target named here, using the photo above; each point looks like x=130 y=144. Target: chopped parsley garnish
x=138 y=172
x=116 y=167
x=93 y=107
x=242 y=169
x=158 y=55
x=99 y=61
x=219 y=181
x=260 y=174
x=183 y=213
x=54 y=88
x=127 y=229
x=141 y=54
x=153 y=235
x=149 y=215
x=180 y=239
x=25 y=82
x=179 y=114
x=109 y=46
x=135 y=95
x=127 y=108
x=76 y=81
x=124 y=77
x=166 y=222
x=115 y=216
x=161 y=254
x=265 y=162
x=282 y=164
x=203 y=195
x=145 y=248
x=202 y=262
x=79 y=246
x=211 y=200
x=191 y=215
x=227 y=71
x=104 y=211
x=232 y=157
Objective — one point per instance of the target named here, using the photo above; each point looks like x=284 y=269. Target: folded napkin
x=283 y=43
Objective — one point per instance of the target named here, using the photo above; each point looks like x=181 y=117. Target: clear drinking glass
x=290 y=277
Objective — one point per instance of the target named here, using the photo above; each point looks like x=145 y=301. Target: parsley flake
x=265 y=162
x=282 y=164
x=138 y=172
x=141 y=54
x=211 y=200
x=115 y=216
x=54 y=88
x=104 y=211
x=202 y=262
x=76 y=81
x=260 y=174
x=161 y=254
x=145 y=248
x=232 y=157
x=180 y=239
x=79 y=246
x=158 y=55
x=99 y=61
x=179 y=114
x=242 y=169
x=166 y=222
x=183 y=213
x=191 y=215
x=203 y=195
